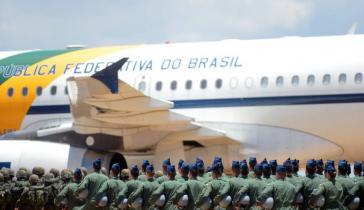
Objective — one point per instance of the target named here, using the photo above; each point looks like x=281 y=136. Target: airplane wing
x=103 y=104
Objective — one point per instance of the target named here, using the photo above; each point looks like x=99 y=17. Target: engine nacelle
x=24 y=153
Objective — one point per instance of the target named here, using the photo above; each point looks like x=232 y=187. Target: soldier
x=357 y=172
x=213 y=187
x=142 y=176
x=67 y=197
x=5 y=195
x=168 y=189
x=166 y=163
x=295 y=181
x=112 y=187
x=91 y=184
x=145 y=191
x=282 y=191
x=133 y=184
x=55 y=173
x=244 y=169
x=331 y=190
x=180 y=163
x=320 y=168
x=358 y=190
x=125 y=175
x=192 y=187
x=253 y=189
x=252 y=163
x=266 y=173
x=33 y=197
x=18 y=187
x=310 y=182
x=296 y=168
x=235 y=168
x=39 y=171
x=65 y=179
x=273 y=167
x=51 y=190
x=184 y=170
x=201 y=175
x=346 y=182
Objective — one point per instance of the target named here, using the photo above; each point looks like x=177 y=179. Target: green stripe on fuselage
x=27 y=59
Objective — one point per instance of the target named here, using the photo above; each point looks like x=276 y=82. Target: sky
x=50 y=24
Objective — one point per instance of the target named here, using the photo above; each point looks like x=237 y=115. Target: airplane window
x=326 y=79
x=53 y=90
x=358 y=78
x=158 y=86
x=311 y=80
x=188 y=84
x=218 y=83
x=142 y=86
x=264 y=82
x=65 y=90
x=39 y=91
x=174 y=85
x=295 y=81
x=203 y=84
x=279 y=81
x=24 y=91
x=342 y=79
x=10 y=92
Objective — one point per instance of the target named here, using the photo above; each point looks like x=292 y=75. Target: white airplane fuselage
x=286 y=97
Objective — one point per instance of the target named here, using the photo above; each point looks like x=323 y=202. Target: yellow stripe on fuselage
x=13 y=109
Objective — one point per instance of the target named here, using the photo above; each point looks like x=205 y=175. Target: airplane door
x=142 y=83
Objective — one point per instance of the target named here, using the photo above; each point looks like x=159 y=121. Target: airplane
x=298 y=97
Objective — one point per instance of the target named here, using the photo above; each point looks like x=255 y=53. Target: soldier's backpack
x=17 y=190
x=37 y=196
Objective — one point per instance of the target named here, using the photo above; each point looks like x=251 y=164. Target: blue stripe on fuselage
x=231 y=102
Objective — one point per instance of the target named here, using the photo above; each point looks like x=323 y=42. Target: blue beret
x=193 y=167
x=167 y=162
x=180 y=162
x=258 y=168
x=97 y=162
x=171 y=169
x=145 y=163
x=294 y=162
x=217 y=159
x=235 y=164
x=281 y=169
x=185 y=167
x=266 y=167
x=150 y=168
x=243 y=165
x=330 y=169
x=77 y=172
x=287 y=164
x=209 y=169
x=264 y=161
x=342 y=164
x=199 y=163
x=217 y=167
x=273 y=163
x=310 y=164
x=330 y=162
x=362 y=164
x=357 y=166
x=134 y=169
x=115 y=167
x=252 y=160
x=320 y=163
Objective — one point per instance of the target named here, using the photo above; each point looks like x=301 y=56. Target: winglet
x=352 y=29
x=109 y=75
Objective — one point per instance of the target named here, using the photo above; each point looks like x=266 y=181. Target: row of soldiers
x=252 y=185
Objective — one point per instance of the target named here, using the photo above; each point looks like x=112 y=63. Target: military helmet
x=66 y=174
x=125 y=174
x=48 y=177
x=21 y=174
x=5 y=172
x=23 y=168
x=55 y=172
x=38 y=170
x=33 y=179
x=11 y=173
